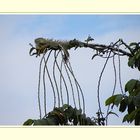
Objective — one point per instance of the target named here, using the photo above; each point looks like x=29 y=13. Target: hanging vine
x=63 y=113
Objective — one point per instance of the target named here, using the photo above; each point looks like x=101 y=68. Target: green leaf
x=137 y=89
x=77 y=112
x=130 y=85
x=118 y=99
x=130 y=99
x=133 y=44
x=110 y=100
x=131 y=108
x=132 y=115
x=88 y=121
x=51 y=121
x=137 y=118
x=123 y=106
x=82 y=119
x=125 y=118
x=69 y=113
x=75 y=120
x=137 y=85
x=29 y=122
x=131 y=62
x=136 y=100
x=56 y=109
x=65 y=106
x=41 y=122
x=138 y=55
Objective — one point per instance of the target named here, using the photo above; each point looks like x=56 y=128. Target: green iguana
x=42 y=45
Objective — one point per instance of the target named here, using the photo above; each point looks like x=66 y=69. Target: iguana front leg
x=66 y=53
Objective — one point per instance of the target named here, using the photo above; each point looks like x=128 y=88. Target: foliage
x=130 y=102
x=134 y=60
x=65 y=115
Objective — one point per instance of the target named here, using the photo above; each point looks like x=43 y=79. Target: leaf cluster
x=65 y=115
x=129 y=103
x=134 y=59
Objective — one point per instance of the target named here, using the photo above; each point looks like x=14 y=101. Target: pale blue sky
x=19 y=71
